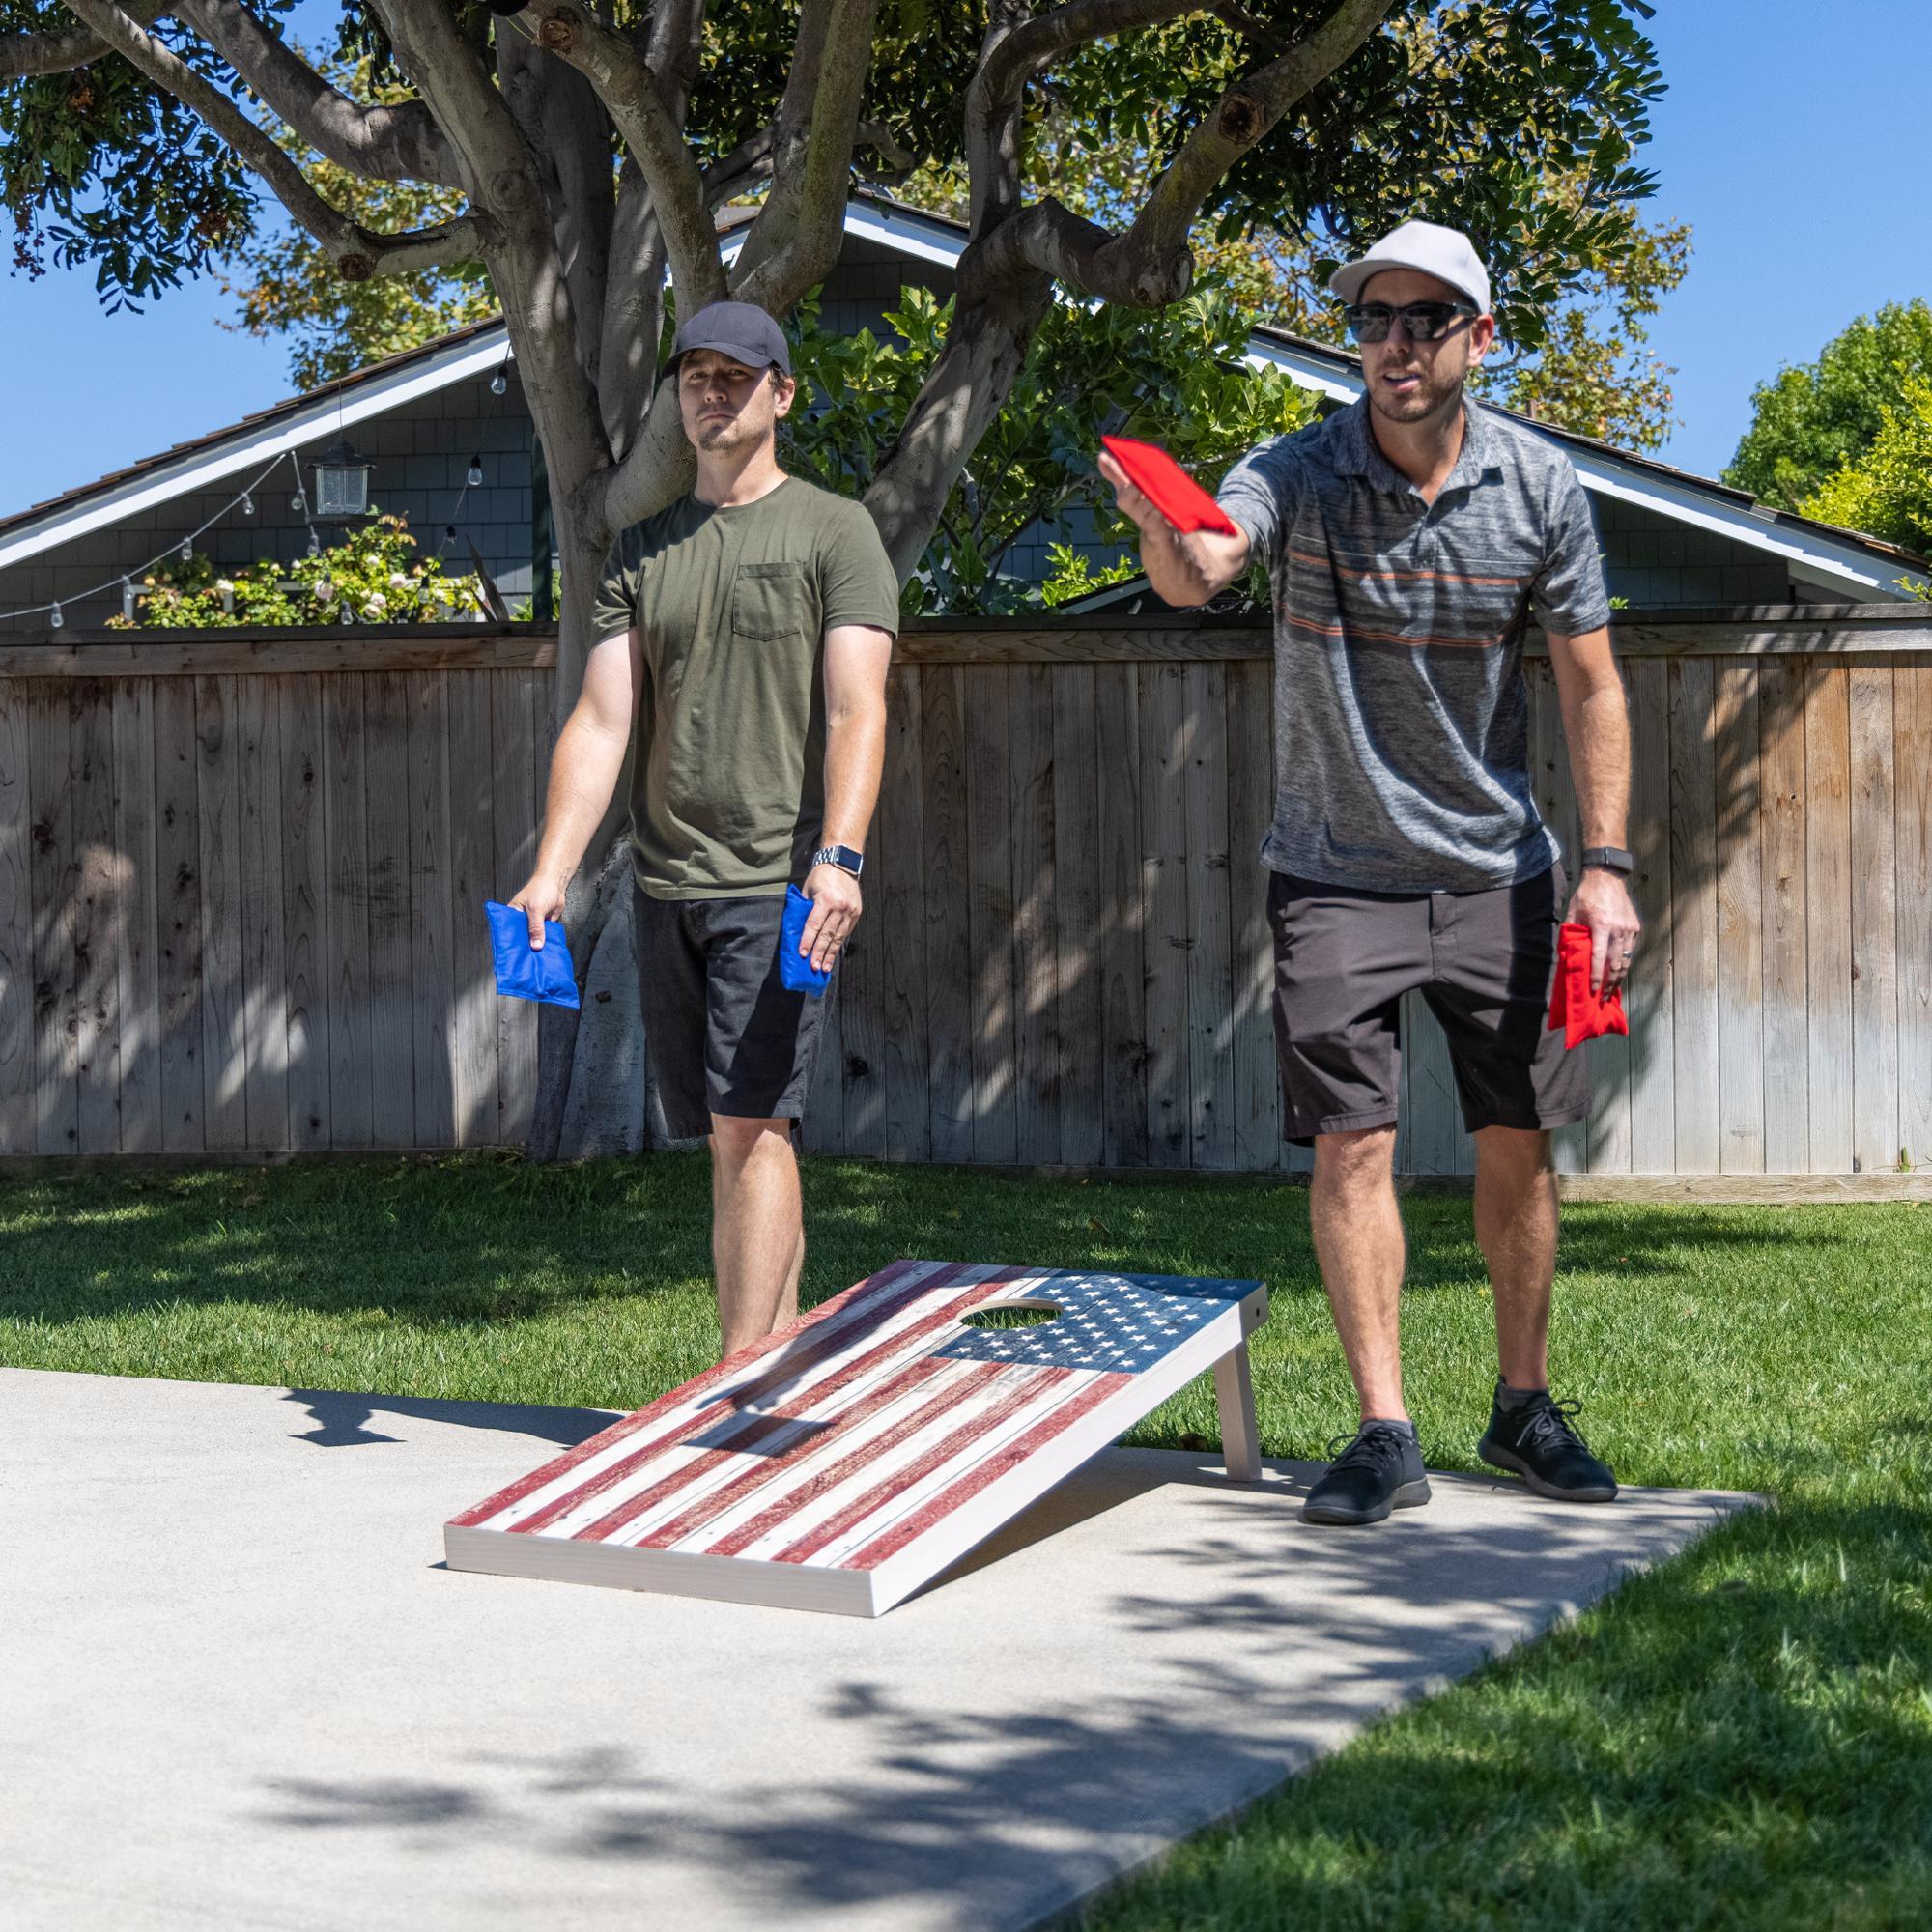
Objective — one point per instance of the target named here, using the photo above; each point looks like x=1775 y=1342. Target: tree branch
x=22 y=55
x=630 y=92
x=358 y=252
x=796 y=239
x=378 y=143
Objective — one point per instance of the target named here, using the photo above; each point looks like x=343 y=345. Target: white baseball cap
x=1446 y=253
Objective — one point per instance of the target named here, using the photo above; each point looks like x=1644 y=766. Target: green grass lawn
x=1742 y=1738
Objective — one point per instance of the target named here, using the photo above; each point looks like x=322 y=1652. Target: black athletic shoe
x=1379 y=1471
x=1541 y=1443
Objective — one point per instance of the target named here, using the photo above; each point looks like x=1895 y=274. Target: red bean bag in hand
x=1168 y=487
x=1582 y=1013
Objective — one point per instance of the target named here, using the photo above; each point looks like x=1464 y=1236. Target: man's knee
x=737 y=1138
x=1362 y=1157
x=1516 y=1149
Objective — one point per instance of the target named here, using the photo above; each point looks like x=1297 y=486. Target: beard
x=1432 y=395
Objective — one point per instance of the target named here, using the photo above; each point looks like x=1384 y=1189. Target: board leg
x=1234 y=1393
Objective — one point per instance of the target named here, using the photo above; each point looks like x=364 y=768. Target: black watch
x=1611 y=858
x=841 y=856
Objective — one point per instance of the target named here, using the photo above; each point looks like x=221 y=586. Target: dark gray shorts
x=1483 y=960
x=723 y=1034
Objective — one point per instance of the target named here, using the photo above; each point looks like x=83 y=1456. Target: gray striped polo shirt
x=1402 y=757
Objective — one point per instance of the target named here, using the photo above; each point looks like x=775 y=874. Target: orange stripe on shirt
x=1440 y=576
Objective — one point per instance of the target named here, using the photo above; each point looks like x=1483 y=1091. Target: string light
x=298 y=502
x=314 y=544
x=54 y=617
x=247 y=504
x=128 y=599
x=499 y=383
x=476 y=477
x=187 y=550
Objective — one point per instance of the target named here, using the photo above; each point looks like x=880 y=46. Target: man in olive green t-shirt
x=745 y=630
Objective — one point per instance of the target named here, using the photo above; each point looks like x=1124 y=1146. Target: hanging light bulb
x=187 y=550
x=54 y=617
x=499 y=383
x=314 y=544
x=450 y=530
x=476 y=477
x=128 y=598
x=247 y=504
x=298 y=502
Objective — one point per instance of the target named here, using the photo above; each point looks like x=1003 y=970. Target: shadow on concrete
x=341 y=1421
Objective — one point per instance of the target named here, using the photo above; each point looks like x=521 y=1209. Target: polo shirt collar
x=1357 y=452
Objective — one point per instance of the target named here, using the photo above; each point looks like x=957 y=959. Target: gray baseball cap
x=742 y=331
x=1446 y=253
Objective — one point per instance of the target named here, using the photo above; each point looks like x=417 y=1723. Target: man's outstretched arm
x=584 y=773
x=1186 y=568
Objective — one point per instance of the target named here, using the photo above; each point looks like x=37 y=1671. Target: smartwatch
x=1611 y=858
x=841 y=856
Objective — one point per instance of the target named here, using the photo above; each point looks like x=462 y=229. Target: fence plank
x=54 y=885
x=432 y=969
x=352 y=1066
x=1257 y=1142
x=178 y=921
x=1828 y=916
x=137 y=984
x=1787 y=1075
x=1912 y=768
x=385 y=777
x=1165 y=744
x=97 y=914
x=989 y=871
x=224 y=1026
x=898 y=915
x=1210 y=1059
x=515 y=705
x=949 y=955
x=1556 y=802
x=1653 y=1058
x=473 y=863
x=1693 y=915
x=1875 y=1141
x=1608 y=1139
x=1739 y=831
x=264 y=913
x=1124 y=1090
x=16 y=929
x=304 y=882
x=1078 y=1076
x=1036 y=927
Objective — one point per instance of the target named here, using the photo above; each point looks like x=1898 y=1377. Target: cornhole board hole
x=843 y=1462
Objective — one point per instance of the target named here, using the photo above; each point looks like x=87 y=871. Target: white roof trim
x=1812 y=554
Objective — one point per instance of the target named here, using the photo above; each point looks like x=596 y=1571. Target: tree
x=1885 y=490
x=591 y=143
x=1813 y=419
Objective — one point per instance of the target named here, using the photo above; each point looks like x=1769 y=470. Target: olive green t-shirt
x=731 y=605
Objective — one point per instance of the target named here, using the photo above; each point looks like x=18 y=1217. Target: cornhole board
x=843 y=1462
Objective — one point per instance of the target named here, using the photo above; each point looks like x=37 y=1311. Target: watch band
x=1611 y=859
x=841 y=856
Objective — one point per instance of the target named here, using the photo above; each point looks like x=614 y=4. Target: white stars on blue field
x=1119 y=1324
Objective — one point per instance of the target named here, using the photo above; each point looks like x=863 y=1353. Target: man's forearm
x=1187 y=569
x=1596 y=726
x=855 y=758
x=583 y=772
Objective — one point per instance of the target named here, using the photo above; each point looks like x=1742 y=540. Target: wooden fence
x=240 y=881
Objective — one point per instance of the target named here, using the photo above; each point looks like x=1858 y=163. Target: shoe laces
x=1375 y=1447
x=1555 y=1421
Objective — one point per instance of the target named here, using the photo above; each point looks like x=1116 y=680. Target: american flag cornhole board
x=845 y=1460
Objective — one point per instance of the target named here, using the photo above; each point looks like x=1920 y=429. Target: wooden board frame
x=1001 y=1472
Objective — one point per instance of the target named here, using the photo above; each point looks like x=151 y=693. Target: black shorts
x=723 y=1034
x=1483 y=961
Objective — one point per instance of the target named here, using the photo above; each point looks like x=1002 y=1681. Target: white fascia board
x=904 y=234
x=253 y=448
x=1813 y=555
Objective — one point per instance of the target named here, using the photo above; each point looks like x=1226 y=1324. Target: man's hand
x=1187 y=568
x=836 y=906
x=541 y=899
x=1603 y=903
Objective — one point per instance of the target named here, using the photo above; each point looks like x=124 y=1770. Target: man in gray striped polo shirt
x=1410 y=538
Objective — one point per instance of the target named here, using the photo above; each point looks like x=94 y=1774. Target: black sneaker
x=1541 y=1443
x=1379 y=1471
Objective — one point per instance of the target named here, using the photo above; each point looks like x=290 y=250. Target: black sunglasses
x=1421 y=321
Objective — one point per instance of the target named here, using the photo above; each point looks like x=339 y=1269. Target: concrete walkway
x=240 y=1690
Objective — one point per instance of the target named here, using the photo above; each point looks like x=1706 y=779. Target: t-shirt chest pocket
x=771 y=601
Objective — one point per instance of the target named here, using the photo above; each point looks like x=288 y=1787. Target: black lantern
x=342 y=481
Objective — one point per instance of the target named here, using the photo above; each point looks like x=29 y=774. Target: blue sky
x=1773 y=142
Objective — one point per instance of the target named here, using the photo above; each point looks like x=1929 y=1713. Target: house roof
x=1842 y=562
